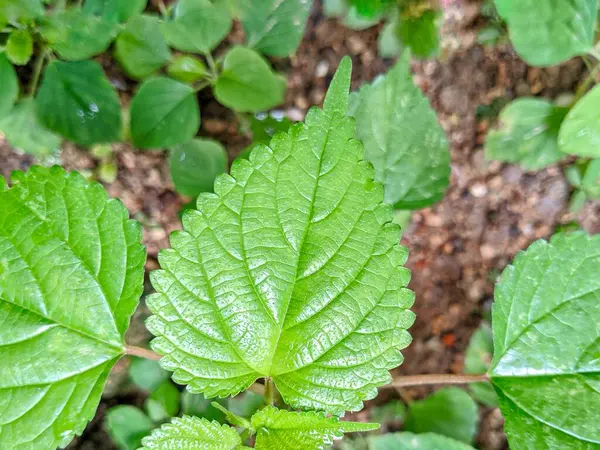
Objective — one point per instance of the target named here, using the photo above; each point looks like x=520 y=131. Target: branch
x=425 y=380
x=132 y=350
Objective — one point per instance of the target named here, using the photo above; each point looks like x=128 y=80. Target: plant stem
x=37 y=71
x=585 y=84
x=212 y=65
x=425 y=380
x=163 y=9
x=142 y=352
x=269 y=392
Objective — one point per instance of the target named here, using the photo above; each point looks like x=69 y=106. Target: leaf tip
x=338 y=93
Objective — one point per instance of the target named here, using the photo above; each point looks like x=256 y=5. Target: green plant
x=290 y=273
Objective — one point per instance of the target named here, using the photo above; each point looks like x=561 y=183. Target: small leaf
x=450 y=412
x=264 y=126
x=274 y=27
x=147 y=374
x=127 y=425
x=527 y=134
x=574 y=176
x=200 y=29
x=392 y=411
x=334 y=8
x=545 y=368
x=13 y=11
x=76 y=101
x=19 y=47
x=577 y=201
x=247 y=83
x=198 y=405
x=23 y=130
x=195 y=165
x=164 y=112
x=246 y=404
x=355 y=21
x=410 y=441
x=187 y=69
x=192 y=433
x=548 y=32
x=115 y=10
x=69 y=285
x=420 y=33
x=232 y=418
x=402 y=139
x=371 y=8
x=580 y=131
x=9 y=92
x=477 y=361
x=388 y=43
x=163 y=403
x=277 y=429
x=141 y=48
x=591 y=179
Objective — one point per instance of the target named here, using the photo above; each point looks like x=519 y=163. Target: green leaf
x=193 y=433
x=388 y=44
x=187 y=69
x=392 y=411
x=591 y=179
x=477 y=361
x=23 y=130
x=71 y=274
x=577 y=201
x=410 y=441
x=19 y=47
x=246 y=404
x=12 y=11
x=264 y=126
x=141 y=48
x=277 y=429
x=580 y=130
x=163 y=403
x=402 y=139
x=115 y=10
x=198 y=405
x=546 y=366
x=10 y=86
x=75 y=35
x=354 y=21
x=420 y=33
x=200 y=29
x=527 y=134
x=147 y=374
x=334 y=8
x=195 y=165
x=450 y=412
x=274 y=27
x=247 y=83
x=548 y=32
x=127 y=425
x=164 y=112
x=291 y=270
x=76 y=101
x=233 y=418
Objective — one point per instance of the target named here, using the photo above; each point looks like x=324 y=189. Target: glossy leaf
x=450 y=412
x=546 y=365
x=290 y=270
x=591 y=179
x=277 y=429
x=12 y=11
x=548 y=32
x=163 y=402
x=23 y=130
x=127 y=425
x=274 y=27
x=580 y=131
x=19 y=47
x=420 y=33
x=195 y=165
x=187 y=69
x=477 y=361
x=141 y=48
x=527 y=134
x=115 y=10
x=147 y=374
x=9 y=92
x=76 y=101
x=247 y=83
x=410 y=441
x=402 y=139
x=164 y=112
x=71 y=275
x=192 y=433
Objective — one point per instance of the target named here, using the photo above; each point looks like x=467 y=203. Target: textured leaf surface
x=403 y=139
x=546 y=365
x=410 y=441
x=277 y=429
x=192 y=433
x=580 y=131
x=527 y=134
x=290 y=270
x=10 y=86
x=71 y=272
x=548 y=32
x=477 y=361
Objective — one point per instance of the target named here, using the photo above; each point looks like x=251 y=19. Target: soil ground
x=457 y=248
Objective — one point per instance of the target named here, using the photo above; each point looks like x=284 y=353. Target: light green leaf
x=19 y=47
x=420 y=33
x=290 y=270
x=163 y=403
x=23 y=130
x=354 y=21
x=277 y=429
x=195 y=165
x=75 y=35
x=334 y=8
x=164 y=112
x=147 y=374
x=527 y=134
x=450 y=412
x=71 y=274
x=580 y=130
x=388 y=43
x=12 y=11
x=477 y=361
x=577 y=201
x=410 y=441
x=187 y=69
x=247 y=83
x=9 y=92
x=200 y=29
x=548 y=32
x=127 y=425
x=76 y=101
x=591 y=179
x=402 y=139
x=274 y=27
x=192 y=433
x=141 y=48
x=546 y=367
x=115 y=10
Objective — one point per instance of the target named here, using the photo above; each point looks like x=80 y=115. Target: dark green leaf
x=187 y=69
x=420 y=33
x=392 y=411
x=580 y=130
x=127 y=425
x=147 y=374
x=9 y=86
x=115 y=10
x=19 y=47
x=477 y=361
x=163 y=403
x=198 y=405
x=264 y=126
x=410 y=441
x=246 y=404
x=76 y=101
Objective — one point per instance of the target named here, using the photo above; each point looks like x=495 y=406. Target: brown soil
x=457 y=248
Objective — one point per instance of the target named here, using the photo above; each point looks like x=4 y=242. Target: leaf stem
x=269 y=391
x=425 y=380
x=212 y=65
x=132 y=350
x=585 y=84
x=37 y=71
